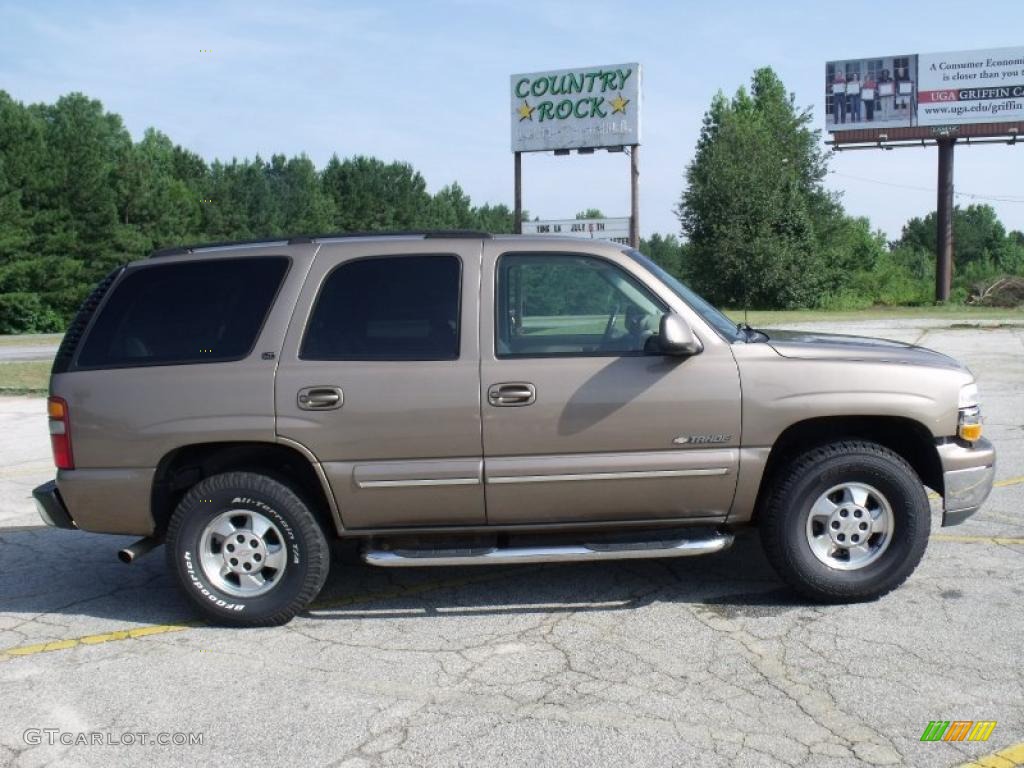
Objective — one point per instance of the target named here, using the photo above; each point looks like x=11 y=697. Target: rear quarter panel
x=127 y=419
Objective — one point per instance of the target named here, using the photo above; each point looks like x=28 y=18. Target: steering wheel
x=606 y=337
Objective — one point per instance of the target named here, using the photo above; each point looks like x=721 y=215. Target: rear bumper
x=51 y=506
x=968 y=473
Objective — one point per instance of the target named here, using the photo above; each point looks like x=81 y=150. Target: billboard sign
x=614 y=229
x=585 y=107
x=971 y=87
x=927 y=89
x=877 y=92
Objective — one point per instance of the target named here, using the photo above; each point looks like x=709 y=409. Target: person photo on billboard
x=904 y=89
x=867 y=96
x=853 y=97
x=839 y=98
x=886 y=95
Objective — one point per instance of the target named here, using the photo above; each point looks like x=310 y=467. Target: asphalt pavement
x=706 y=661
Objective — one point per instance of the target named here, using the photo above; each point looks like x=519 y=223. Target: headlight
x=969 y=425
x=969 y=396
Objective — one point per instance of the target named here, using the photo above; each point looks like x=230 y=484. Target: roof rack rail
x=176 y=250
x=179 y=250
x=425 y=233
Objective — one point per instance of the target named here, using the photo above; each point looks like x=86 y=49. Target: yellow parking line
x=106 y=637
x=981 y=539
x=1011 y=757
x=159 y=629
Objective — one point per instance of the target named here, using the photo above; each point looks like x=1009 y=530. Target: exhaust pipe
x=131 y=553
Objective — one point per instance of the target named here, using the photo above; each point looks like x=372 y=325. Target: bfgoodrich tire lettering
x=274 y=527
x=862 y=464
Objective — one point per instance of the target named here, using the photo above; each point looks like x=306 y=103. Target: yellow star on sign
x=525 y=111
x=619 y=104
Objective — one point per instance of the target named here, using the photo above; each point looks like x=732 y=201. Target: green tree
x=590 y=213
x=85 y=147
x=498 y=219
x=24 y=171
x=978 y=235
x=163 y=209
x=78 y=196
x=304 y=206
x=451 y=208
x=667 y=251
x=371 y=195
x=752 y=196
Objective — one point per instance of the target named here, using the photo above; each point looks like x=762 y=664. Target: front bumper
x=51 y=506
x=968 y=473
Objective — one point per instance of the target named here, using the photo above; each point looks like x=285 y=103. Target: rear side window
x=387 y=308
x=191 y=312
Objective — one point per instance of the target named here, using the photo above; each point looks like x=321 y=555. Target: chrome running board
x=707 y=543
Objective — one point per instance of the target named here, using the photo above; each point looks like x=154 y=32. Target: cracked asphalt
x=704 y=661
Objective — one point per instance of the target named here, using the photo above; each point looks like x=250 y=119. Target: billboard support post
x=944 y=241
x=517 y=225
x=634 y=196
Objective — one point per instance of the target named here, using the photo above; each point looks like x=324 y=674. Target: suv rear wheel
x=247 y=550
x=845 y=522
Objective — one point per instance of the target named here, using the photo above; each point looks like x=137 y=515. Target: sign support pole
x=517 y=225
x=634 y=196
x=944 y=255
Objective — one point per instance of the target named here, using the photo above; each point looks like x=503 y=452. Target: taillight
x=60 y=432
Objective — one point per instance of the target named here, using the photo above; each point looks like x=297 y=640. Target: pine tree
x=752 y=191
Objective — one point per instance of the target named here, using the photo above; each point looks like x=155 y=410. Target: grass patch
x=30 y=339
x=25 y=378
x=953 y=312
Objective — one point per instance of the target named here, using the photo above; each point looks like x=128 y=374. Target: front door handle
x=320 y=398
x=512 y=393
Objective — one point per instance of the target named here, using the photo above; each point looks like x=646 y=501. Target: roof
x=180 y=250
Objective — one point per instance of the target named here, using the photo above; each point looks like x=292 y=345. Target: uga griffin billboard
x=580 y=108
x=971 y=87
x=926 y=89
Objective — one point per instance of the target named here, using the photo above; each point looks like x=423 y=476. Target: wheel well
x=906 y=437
x=183 y=467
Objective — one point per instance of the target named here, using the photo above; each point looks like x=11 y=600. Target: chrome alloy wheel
x=850 y=526
x=242 y=553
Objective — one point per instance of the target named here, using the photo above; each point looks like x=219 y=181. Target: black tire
x=800 y=484
x=305 y=549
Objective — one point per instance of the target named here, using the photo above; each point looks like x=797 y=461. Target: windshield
x=698 y=304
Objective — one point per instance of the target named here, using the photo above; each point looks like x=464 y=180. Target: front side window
x=564 y=305
x=186 y=312
x=387 y=308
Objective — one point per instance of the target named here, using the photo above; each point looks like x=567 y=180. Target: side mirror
x=676 y=338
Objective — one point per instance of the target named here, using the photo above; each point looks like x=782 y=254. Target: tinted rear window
x=191 y=312
x=387 y=308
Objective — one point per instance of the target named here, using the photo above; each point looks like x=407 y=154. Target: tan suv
x=455 y=398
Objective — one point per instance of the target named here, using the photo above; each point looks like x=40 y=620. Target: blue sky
x=427 y=82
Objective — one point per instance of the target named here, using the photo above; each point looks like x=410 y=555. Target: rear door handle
x=512 y=393
x=320 y=398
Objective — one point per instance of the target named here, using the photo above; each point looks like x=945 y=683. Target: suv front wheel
x=845 y=522
x=247 y=550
